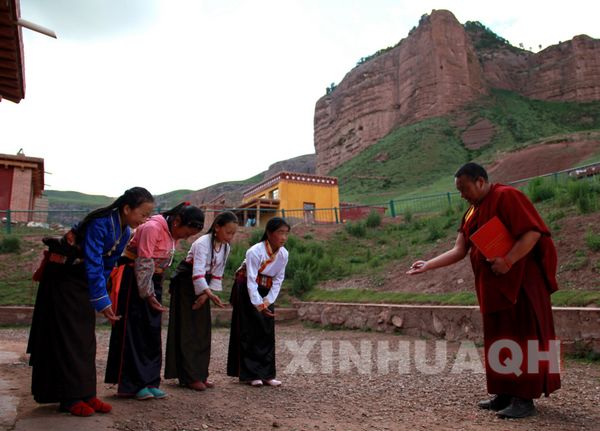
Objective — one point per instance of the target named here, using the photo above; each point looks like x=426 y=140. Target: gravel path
x=330 y=392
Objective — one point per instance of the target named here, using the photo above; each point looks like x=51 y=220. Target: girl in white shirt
x=251 y=355
x=197 y=276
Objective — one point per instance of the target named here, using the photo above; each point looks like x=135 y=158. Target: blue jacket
x=101 y=255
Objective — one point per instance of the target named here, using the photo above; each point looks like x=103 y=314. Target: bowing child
x=135 y=353
x=251 y=355
x=197 y=277
x=73 y=286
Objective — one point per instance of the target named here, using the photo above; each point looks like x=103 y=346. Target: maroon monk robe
x=516 y=305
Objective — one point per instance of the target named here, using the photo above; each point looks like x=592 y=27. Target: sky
x=183 y=94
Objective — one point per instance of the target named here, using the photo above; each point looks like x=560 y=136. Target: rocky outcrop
x=306 y=164
x=439 y=68
x=430 y=73
x=479 y=134
x=569 y=71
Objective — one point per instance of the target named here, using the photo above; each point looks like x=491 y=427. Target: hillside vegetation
x=423 y=157
x=75 y=200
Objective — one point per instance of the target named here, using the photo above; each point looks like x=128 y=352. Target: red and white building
x=21 y=187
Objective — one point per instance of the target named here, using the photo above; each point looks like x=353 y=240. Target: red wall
x=6 y=180
x=358 y=212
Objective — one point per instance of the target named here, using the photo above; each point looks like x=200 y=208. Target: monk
x=521 y=350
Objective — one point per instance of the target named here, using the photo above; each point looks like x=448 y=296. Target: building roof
x=22 y=162
x=260 y=203
x=320 y=180
x=12 y=69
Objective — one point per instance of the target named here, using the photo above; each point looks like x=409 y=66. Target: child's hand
x=200 y=300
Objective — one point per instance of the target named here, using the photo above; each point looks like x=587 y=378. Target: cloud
x=90 y=19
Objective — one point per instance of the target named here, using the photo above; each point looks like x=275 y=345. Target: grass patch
x=18 y=291
x=575 y=298
x=562 y=298
x=578 y=261
x=376 y=297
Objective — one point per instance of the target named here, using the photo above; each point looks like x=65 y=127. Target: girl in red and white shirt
x=192 y=291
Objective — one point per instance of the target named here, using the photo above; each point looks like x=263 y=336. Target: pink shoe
x=272 y=382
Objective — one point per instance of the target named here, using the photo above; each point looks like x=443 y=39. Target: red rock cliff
x=436 y=70
x=431 y=72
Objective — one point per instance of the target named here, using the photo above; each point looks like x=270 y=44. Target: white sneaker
x=256 y=383
x=272 y=382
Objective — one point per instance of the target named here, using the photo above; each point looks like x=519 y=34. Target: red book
x=493 y=239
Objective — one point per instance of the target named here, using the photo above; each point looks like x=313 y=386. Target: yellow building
x=295 y=196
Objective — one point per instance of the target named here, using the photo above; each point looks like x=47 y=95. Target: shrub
x=408 y=215
x=255 y=236
x=373 y=219
x=236 y=257
x=577 y=189
x=303 y=269
x=540 y=190
x=293 y=243
x=356 y=229
x=593 y=241
x=556 y=215
x=302 y=283
x=584 y=204
x=435 y=230
x=449 y=211
x=10 y=244
x=584 y=195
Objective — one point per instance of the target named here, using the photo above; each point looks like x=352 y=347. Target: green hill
x=170 y=199
x=422 y=157
x=69 y=199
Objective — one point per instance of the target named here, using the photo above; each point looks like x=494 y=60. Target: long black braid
x=133 y=197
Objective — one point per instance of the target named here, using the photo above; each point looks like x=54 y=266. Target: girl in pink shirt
x=135 y=353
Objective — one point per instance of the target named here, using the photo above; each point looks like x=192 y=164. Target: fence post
x=337 y=220
x=283 y=212
x=392 y=208
x=8 y=222
x=449 y=199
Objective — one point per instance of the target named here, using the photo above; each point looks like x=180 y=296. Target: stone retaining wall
x=220 y=316
x=453 y=323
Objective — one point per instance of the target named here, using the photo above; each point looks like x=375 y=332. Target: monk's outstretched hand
x=418 y=267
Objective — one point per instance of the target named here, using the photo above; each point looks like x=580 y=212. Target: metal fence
x=21 y=222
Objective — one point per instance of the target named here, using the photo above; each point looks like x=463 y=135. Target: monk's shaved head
x=473 y=171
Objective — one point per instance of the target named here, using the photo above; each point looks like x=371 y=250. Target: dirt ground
x=317 y=399
x=542 y=159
